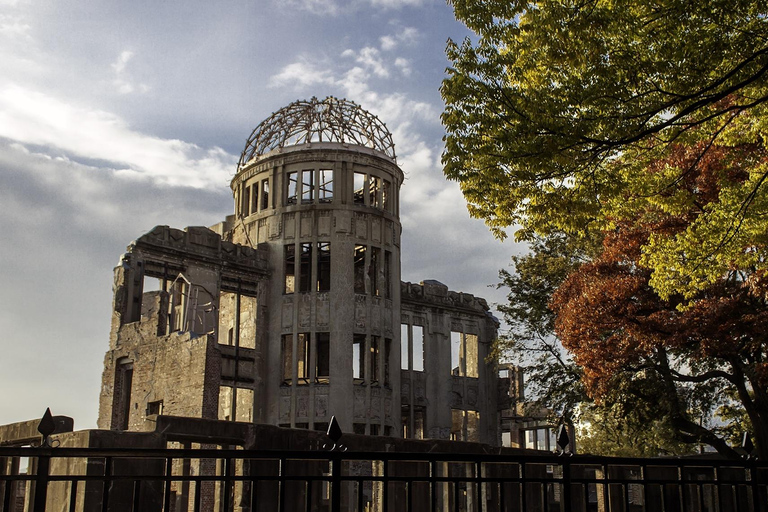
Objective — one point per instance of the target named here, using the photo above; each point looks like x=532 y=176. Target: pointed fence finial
x=46 y=427
x=334 y=433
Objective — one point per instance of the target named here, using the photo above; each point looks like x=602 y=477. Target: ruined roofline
x=436 y=293
x=202 y=244
x=317 y=121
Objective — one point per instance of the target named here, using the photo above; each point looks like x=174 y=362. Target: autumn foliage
x=697 y=353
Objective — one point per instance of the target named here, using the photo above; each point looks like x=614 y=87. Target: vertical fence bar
x=566 y=494
x=72 y=497
x=385 y=485
x=135 y=507
x=281 y=482
x=168 y=473
x=335 y=482
x=227 y=471
x=433 y=485
x=107 y=484
x=478 y=487
x=521 y=465
x=41 y=482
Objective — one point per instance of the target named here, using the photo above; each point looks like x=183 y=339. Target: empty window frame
x=302 y=375
x=373 y=270
x=465 y=425
x=325 y=186
x=374 y=191
x=386 y=201
x=305 y=268
x=412 y=347
x=359 y=269
x=292 y=188
x=359 y=188
x=464 y=357
x=322 y=358
x=375 y=358
x=290 y=268
x=307 y=186
x=323 y=266
x=302 y=358
x=413 y=421
x=358 y=357
x=264 y=195
x=245 y=201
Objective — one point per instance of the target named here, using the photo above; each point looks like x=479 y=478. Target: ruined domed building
x=292 y=310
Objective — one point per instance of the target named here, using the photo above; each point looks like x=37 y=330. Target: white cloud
x=404 y=65
x=14 y=27
x=302 y=74
x=320 y=7
x=370 y=59
x=122 y=81
x=397 y=4
x=31 y=117
x=407 y=36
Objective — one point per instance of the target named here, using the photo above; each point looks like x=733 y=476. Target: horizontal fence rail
x=210 y=480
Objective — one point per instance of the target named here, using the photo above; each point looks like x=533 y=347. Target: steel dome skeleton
x=328 y=120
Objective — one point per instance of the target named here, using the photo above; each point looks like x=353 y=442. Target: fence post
x=566 y=483
x=41 y=482
x=335 y=482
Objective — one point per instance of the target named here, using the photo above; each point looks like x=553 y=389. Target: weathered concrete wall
x=344 y=221
x=444 y=394
x=179 y=369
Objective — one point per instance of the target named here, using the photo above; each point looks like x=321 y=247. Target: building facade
x=292 y=310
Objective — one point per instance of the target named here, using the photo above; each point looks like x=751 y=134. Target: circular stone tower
x=317 y=186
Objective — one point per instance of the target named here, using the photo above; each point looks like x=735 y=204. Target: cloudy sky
x=118 y=116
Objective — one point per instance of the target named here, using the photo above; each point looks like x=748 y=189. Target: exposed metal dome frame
x=328 y=120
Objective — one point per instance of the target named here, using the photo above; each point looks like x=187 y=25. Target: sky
x=119 y=116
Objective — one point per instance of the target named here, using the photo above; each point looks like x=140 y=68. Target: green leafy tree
x=552 y=379
x=558 y=108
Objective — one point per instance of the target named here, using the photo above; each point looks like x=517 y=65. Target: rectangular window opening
x=374 y=188
x=404 y=351
x=323 y=358
x=418 y=348
x=373 y=270
x=305 y=268
x=292 y=189
x=457 y=358
x=375 y=365
x=358 y=357
x=323 y=266
x=325 y=190
x=360 y=268
x=245 y=201
x=307 y=186
x=265 y=194
x=302 y=358
x=472 y=361
x=290 y=268
x=359 y=188
x=386 y=202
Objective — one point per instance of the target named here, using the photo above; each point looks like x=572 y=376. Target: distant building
x=292 y=310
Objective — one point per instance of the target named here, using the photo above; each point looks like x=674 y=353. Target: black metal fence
x=179 y=480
